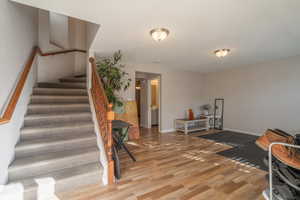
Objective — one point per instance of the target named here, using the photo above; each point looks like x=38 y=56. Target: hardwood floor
x=175 y=166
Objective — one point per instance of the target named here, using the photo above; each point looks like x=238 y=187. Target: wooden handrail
x=61 y=52
x=98 y=79
x=104 y=115
x=7 y=115
x=10 y=108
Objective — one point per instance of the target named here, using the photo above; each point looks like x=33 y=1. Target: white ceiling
x=254 y=30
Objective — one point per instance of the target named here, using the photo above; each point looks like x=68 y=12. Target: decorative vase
x=191 y=114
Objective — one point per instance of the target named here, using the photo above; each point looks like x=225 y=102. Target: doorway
x=147 y=93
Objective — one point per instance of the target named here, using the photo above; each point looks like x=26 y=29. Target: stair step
x=40 y=99
x=23 y=168
x=62 y=85
x=59 y=91
x=29 y=133
x=58 y=139
x=66 y=179
x=48 y=119
x=80 y=76
x=49 y=145
x=73 y=80
x=57 y=108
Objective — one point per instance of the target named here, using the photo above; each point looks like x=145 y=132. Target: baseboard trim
x=241 y=131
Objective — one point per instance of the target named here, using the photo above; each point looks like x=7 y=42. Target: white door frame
x=148 y=85
x=159 y=103
x=149 y=110
x=144 y=103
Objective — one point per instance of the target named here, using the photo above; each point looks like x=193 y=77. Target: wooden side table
x=187 y=126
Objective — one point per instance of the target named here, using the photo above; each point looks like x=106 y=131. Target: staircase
x=57 y=139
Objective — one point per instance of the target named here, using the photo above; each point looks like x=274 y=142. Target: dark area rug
x=249 y=154
x=244 y=148
x=230 y=138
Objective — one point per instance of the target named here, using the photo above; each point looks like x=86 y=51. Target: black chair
x=119 y=143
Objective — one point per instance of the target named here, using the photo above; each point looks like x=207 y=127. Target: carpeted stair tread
x=40 y=99
x=47 y=145
x=59 y=91
x=66 y=179
x=58 y=139
x=56 y=118
x=73 y=79
x=56 y=130
x=45 y=163
x=62 y=85
x=57 y=108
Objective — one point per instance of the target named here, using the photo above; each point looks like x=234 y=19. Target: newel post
x=110 y=117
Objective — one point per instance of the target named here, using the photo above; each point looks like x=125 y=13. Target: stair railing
x=104 y=115
x=13 y=100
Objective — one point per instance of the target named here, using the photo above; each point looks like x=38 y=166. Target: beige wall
x=78 y=40
x=154 y=93
x=259 y=96
x=44 y=32
x=19 y=35
x=59 y=30
x=180 y=91
x=52 y=68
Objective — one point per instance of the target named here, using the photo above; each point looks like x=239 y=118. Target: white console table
x=186 y=126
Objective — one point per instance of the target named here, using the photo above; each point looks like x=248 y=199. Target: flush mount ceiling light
x=159 y=34
x=221 y=52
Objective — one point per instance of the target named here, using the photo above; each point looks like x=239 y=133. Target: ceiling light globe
x=222 y=52
x=159 y=34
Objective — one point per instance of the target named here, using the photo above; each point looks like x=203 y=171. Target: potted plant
x=114 y=79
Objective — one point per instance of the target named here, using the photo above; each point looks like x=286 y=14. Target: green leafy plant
x=114 y=78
